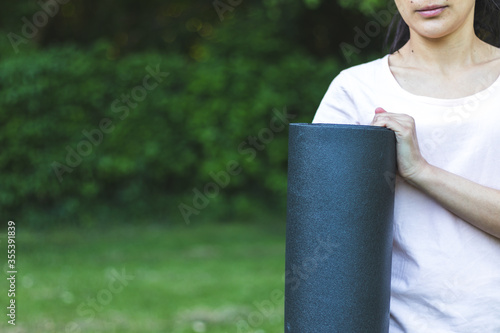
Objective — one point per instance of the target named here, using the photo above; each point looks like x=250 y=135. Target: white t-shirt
x=445 y=272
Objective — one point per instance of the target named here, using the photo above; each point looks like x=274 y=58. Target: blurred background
x=144 y=154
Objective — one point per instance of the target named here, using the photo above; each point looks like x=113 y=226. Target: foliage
x=128 y=26
x=73 y=146
x=190 y=125
x=365 y=6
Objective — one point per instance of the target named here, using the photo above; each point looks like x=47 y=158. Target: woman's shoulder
x=370 y=66
x=368 y=73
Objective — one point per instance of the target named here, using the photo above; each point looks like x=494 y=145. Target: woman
x=440 y=94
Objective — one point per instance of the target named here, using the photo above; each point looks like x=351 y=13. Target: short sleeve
x=337 y=106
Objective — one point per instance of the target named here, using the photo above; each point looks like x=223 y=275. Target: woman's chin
x=436 y=32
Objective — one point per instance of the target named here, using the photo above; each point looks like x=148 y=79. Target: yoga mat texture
x=340 y=205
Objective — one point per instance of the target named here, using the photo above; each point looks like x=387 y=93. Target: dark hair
x=486 y=25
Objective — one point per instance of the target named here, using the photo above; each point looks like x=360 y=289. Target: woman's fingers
x=410 y=160
x=402 y=124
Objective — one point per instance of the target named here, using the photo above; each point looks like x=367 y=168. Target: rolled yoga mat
x=339 y=228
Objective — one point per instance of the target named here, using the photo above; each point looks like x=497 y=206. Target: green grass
x=203 y=278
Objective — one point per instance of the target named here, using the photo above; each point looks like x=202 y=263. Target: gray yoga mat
x=339 y=228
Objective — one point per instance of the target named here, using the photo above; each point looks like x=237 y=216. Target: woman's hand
x=477 y=204
x=409 y=159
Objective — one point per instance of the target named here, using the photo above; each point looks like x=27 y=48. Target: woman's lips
x=431 y=12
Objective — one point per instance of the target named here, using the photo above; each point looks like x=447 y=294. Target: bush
x=73 y=145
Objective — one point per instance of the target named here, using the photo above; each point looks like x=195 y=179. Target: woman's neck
x=447 y=54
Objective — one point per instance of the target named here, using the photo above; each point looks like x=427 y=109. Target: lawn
x=210 y=278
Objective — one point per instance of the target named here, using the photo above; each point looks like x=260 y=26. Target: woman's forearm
x=479 y=205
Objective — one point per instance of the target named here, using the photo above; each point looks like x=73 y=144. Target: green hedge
x=149 y=153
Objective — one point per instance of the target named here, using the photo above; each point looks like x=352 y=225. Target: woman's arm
x=479 y=205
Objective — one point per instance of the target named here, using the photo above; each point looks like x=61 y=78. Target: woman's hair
x=486 y=25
